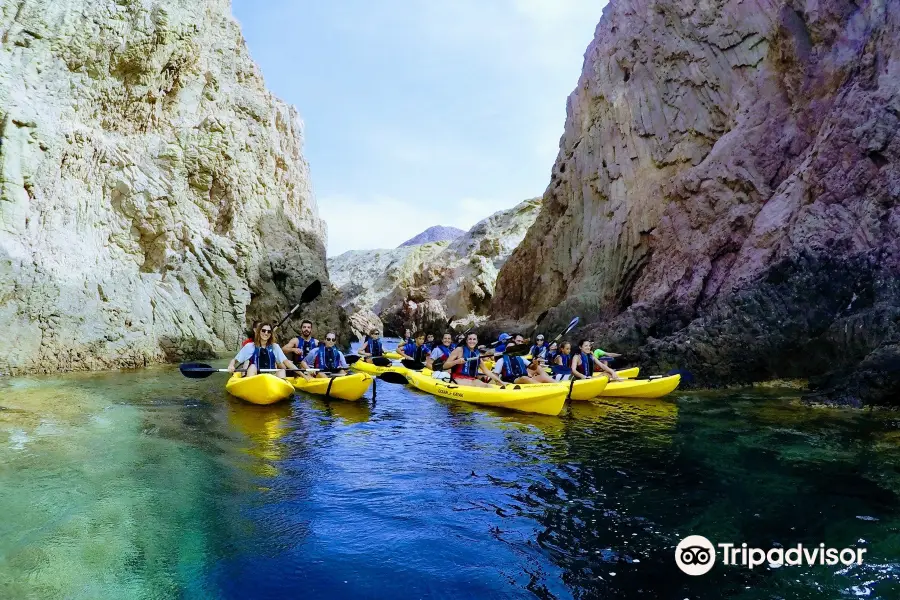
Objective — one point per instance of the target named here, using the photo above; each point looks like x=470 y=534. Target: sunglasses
x=328 y=339
x=265 y=331
x=540 y=339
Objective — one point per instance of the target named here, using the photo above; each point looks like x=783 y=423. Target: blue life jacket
x=587 y=364
x=306 y=346
x=418 y=353
x=566 y=367
x=514 y=367
x=501 y=348
x=264 y=361
x=328 y=358
x=374 y=348
x=537 y=351
x=468 y=368
x=445 y=351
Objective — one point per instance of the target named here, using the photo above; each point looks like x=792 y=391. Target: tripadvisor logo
x=696 y=555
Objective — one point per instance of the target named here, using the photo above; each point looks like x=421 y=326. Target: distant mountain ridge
x=438 y=233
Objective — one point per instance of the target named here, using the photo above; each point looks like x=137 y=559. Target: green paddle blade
x=391 y=377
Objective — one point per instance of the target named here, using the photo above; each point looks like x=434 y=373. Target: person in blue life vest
x=328 y=359
x=514 y=369
x=502 y=342
x=264 y=353
x=539 y=349
x=372 y=346
x=562 y=362
x=584 y=362
x=415 y=350
x=441 y=351
x=300 y=346
x=429 y=342
x=467 y=367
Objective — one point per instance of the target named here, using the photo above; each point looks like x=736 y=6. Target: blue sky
x=421 y=112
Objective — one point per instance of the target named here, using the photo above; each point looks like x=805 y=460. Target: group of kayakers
x=261 y=352
x=465 y=361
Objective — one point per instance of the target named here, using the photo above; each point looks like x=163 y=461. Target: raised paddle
x=311 y=292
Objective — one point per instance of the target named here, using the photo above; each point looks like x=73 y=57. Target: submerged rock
x=725 y=199
x=153 y=193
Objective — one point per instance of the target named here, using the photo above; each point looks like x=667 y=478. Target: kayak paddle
x=311 y=292
x=202 y=371
x=391 y=377
x=412 y=365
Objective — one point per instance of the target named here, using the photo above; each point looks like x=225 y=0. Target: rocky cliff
x=366 y=277
x=725 y=198
x=438 y=233
x=153 y=194
x=423 y=286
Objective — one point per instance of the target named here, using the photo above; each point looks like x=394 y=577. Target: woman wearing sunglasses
x=265 y=353
x=328 y=359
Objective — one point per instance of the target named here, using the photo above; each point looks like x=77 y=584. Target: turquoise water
x=149 y=485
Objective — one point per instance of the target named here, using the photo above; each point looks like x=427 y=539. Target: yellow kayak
x=345 y=387
x=392 y=355
x=642 y=388
x=623 y=373
x=540 y=399
x=364 y=367
x=584 y=389
x=264 y=388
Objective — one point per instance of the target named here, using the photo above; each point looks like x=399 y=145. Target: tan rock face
x=726 y=192
x=421 y=287
x=153 y=194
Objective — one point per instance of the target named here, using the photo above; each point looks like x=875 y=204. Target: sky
x=421 y=112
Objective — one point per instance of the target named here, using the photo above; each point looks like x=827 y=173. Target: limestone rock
x=153 y=194
x=438 y=233
x=421 y=287
x=725 y=197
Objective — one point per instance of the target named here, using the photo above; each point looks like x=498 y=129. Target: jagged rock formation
x=438 y=233
x=726 y=194
x=153 y=194
x=423 y=286
x=366 y=277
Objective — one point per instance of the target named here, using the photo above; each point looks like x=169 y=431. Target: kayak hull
x=540 y=399
x=584 y=389
x=392 y=355
x=642 y=388
x=364 y=367
x=262 y=389
x=347 y=387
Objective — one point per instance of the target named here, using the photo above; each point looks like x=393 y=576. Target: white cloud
x=379 y=221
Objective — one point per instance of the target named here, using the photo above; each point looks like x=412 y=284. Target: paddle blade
x=311 y=292
x=437 y=365
x=541 y=317
x=352 y=358
x=412 y=365
x=572 y=325
x=392 y=377
x=196 y=370
x=520 y=350
x=380 y=361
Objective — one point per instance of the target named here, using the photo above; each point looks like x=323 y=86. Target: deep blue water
x=149 y=485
